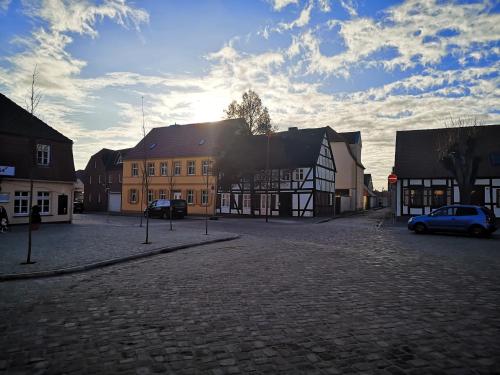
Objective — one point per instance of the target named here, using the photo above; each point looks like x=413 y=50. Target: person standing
x=4 y=220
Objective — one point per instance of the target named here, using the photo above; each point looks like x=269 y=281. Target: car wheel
x=477 y=231
x=420 y=228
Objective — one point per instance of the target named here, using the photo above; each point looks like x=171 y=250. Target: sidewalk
x=93 y=243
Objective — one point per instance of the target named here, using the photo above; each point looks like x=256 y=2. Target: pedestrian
x=4 y=220
x=36 y=219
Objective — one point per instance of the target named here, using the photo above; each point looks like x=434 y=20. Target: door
x=62 y=204
x=285 y=204
x=465 y=217
x=115 y=202
x=442 y=219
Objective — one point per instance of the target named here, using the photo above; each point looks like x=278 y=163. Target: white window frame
x=43 y=201
x=299 y=174
x=135 y=170
x=151 y=168
x=205 y=167
x=43 y=154
x=225 y=200
x=247 y=201
x=163 y=169
x=177 y=195
x=162 y=194
x=177 y=168
x=190 y=197
x=191 y=167
x=204 y=197
x=133 y=196
x=151 y=195
x=21 y=197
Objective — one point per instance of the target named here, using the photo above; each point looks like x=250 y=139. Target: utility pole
x=206 y=203
x=145 y=173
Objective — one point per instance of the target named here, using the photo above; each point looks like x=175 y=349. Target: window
x=99 y=178
x=151 y=169
x=299 y=174
x=110 y=179
x=90 y=197
x=246 y=201
x=414 y=197
x=448 y=211
x=263 y=200
x=132 y=196
x=285 y=175
x=190 y=197
x=466 y=211
x=205 y=167
x=330 y=199
x=498 y=198
x=95 y=164
x=162 y=194
x=177 y=168
x=191 y=167
x=438 y=197
x=151 y=196
x=135 y=170
x=99 y=198
x=43 y=201
x=119 y=178
x=90 y=180
x=21 y=199
x=177 y=195
x=204 y=197
x=163 y=169
x=225 y=199
x=43 y=154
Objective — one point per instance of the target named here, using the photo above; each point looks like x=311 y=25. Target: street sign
x=7 y=171
x=392 y=178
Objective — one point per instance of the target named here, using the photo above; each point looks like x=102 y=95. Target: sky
x=372 y=66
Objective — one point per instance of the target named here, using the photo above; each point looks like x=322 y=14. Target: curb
x=109 y=262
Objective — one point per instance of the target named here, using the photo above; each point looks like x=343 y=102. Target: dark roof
x=80 y=174
x=288 y=149
x=110 y=158
x=417 y=152
x=15 y=120
x=351 y=137
x=191 y=140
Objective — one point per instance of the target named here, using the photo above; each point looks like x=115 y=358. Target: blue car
x=476 y=220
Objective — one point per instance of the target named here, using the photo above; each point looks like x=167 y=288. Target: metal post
x=268 y=177
x=206 y=203
x=30 y=207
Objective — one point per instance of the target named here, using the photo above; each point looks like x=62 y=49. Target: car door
x=153 y=209
x=441 y=219
x=465 y=217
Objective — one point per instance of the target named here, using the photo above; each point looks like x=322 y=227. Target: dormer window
x=43 y=154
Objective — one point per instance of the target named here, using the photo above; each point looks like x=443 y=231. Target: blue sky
x=373 y=66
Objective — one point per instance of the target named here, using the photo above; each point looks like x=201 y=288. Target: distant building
x=423 y=182
x=300 y=181
x=79 y=185
x=369 y=195
x=31 y=148
x=179 y=159
x=103 y=181
x=349 y=183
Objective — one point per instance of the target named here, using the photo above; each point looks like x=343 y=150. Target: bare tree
x=32 y=102
x=457 y=148
x=145 y=175
x=251 y=109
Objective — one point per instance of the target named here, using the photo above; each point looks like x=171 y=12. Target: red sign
x=392 y=178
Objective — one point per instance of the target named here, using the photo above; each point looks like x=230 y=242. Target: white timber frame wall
x=304 y=191
x=409 y=203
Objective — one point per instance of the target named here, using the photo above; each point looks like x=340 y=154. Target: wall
x=181 y=183
x=55 y=188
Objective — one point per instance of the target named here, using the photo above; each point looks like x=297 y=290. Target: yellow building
x=178 y=160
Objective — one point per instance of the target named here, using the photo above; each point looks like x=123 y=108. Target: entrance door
x=114 y=202
x=285 y=203
x=62 y=204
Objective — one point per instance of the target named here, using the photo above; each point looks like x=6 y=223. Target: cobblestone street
x=288 y=297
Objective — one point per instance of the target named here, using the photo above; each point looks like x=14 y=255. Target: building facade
x=349 y=182
x=423 y=182
x=290 y=173
x=179 y=162
x=32 y=150
x=103 y=181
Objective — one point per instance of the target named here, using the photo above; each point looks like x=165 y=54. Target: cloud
x=324 y=5
x=4 y=5
x=301 y=21
x=281 y=4
x=349 y=6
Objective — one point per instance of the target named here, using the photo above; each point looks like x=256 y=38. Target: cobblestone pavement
x=92 y=238
x=341 y=297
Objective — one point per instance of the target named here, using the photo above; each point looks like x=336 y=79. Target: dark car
x=476 y=220
x=78 y=207
x=161 y=208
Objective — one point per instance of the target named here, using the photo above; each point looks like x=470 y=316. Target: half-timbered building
x=290 y=173
x=425 y=184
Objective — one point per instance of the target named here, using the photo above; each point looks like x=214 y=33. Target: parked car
x=78 y=207
x=161 y=208
x=476 y=220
